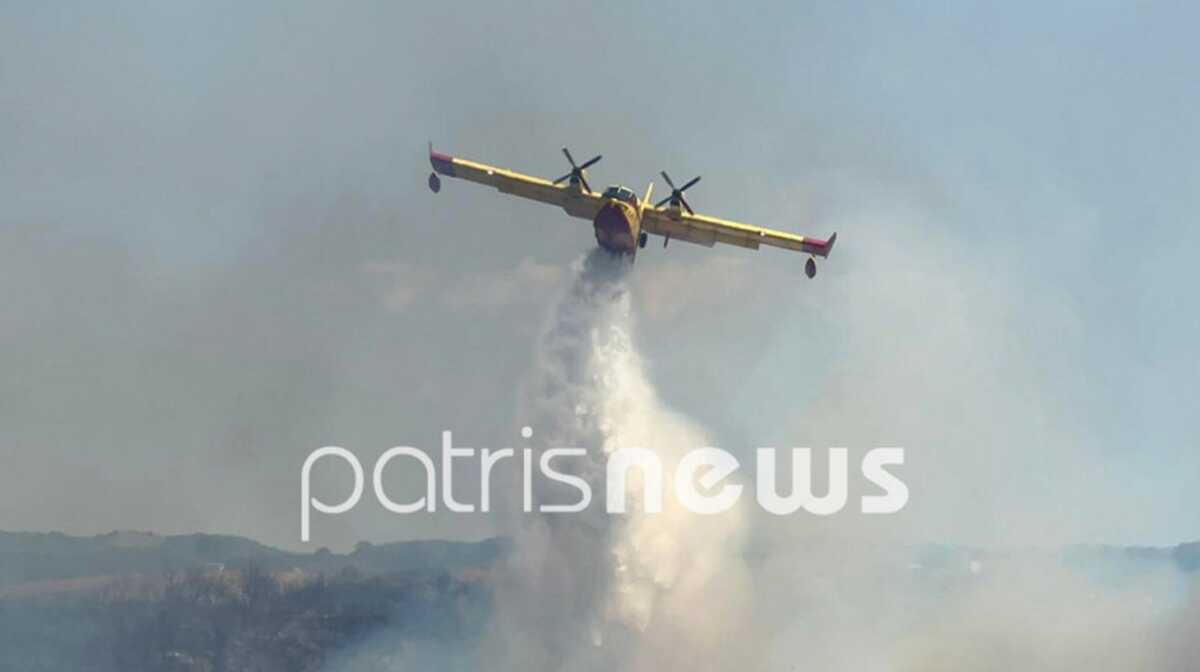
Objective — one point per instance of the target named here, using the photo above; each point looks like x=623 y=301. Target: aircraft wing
x=578 y=202
x=708 y=231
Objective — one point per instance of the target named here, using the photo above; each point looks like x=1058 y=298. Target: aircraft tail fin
x=646 y=201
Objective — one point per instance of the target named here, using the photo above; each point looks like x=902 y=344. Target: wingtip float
x=622 y=221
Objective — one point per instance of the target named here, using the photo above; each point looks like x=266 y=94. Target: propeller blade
x=564 y=177
x=590 y=162
x=567 y=153
x=676 y=198
x=583 y=181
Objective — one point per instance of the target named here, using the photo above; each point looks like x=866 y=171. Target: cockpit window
x=620 y=193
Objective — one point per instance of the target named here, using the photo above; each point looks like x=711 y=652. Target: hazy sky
x=218 y=252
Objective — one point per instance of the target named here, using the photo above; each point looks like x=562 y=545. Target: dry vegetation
x=219 y=620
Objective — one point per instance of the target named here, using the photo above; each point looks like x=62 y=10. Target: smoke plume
x=673 y=591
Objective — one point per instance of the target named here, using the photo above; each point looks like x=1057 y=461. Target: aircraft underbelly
x=617 y=228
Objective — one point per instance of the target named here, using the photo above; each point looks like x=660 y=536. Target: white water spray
x=593 y=591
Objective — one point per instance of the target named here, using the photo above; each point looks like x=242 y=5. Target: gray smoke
x=673 y=591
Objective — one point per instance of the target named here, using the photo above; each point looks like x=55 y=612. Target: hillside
x=201 y=603
x=27 y=557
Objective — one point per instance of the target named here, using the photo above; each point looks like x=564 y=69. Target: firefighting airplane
x=621 y=221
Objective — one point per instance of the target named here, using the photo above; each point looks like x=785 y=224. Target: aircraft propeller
x=676 y=198
x=577 y=170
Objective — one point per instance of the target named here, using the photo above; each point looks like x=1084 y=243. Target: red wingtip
x=821 y=248
x=442 y=163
